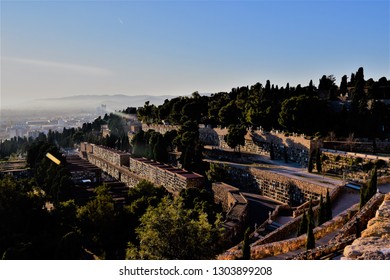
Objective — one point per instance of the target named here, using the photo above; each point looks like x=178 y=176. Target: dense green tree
x=229 y=114
x=138 y=144
x=200 y=200
x=147 y=113
x=168 y=231
x=25 y=229
x=217 y=173
x=236 y=136
x=326 y=82
x=302 y=114
x=187 y=141
x=144 y=194
x=97 y=223
x=160 y=149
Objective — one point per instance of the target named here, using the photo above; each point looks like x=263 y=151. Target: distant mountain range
x=91 y=102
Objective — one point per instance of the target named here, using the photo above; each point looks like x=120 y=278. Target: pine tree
x=246 y=250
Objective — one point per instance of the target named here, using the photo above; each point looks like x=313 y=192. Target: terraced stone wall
x=353 y=166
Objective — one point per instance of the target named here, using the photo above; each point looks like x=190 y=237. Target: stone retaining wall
x=293 y=147
x=285 y=189
x=296 y=147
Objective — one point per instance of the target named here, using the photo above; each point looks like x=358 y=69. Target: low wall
x=359 y=146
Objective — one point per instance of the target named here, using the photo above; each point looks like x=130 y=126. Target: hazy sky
x=58 y=48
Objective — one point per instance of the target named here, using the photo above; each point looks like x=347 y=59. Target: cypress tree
x=303 y=225
x=285 y=154
x=318 y=161
x=310 y=241
x=363 y=195
x=310 y=214
x=328 y=207
x=322 y=212
x=310 y=163
x=369 y=190
x=372 y=184
x=246 y=250
x=272 y=152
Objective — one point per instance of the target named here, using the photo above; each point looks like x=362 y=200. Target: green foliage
x=97 y=222
x=168 y=231
x=380 y=163
x=246 y=249
x=302 y=114
x=229 y=114
x=236 y=136
x=15 y=145
x=145 y=189
x=24 y=229
x=216 y=173
x=187 y=141
x=153 y=145
x=54 y=179
x=200 y=200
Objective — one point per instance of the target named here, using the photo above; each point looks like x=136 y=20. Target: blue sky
x=58 y=48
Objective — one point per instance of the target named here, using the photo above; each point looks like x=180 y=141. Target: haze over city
x=52 y=49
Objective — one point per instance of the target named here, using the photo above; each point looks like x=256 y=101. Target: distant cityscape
x=32 y=126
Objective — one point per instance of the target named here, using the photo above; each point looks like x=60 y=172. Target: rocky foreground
x=374 y=243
